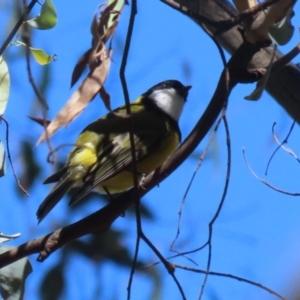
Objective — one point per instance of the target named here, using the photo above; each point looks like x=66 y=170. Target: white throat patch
x=169 y=101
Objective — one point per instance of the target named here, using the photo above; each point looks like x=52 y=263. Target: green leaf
x=118 y=7
x=40 y=56
x=13 y=276
x=47 y=19
x=2 y=160
x=4 y=85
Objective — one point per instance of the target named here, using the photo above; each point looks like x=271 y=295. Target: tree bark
x=283 y=85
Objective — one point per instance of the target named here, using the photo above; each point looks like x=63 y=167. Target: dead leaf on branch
x=86 y=92
x=80 y=66
x=105 y=97
x=98 y=59
x=102 y=29
x=40 y=121
x=266 y=22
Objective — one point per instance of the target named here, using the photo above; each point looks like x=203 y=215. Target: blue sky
x=257 y=233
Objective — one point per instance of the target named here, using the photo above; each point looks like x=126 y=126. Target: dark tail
x=56 y=176
x=52 y=199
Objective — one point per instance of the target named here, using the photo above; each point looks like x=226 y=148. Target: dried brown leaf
x=109 y=32
x=105 y=97
x=86 y=92
x=40 y=121
x=108 y=21
x=258 y=29
x=80 y=66
x=242 y=5
x=279 y=10
x=94 y=26
x=99 y=62
x=104 y=19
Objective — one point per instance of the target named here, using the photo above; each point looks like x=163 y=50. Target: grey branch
x=283 y=85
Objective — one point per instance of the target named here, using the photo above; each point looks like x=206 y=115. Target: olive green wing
x=117 y=157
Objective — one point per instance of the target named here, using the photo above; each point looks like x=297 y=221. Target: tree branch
x=101 y=220
x=283 y=85
x=17 y=26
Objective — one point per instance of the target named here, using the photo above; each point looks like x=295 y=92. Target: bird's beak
x=185 y=90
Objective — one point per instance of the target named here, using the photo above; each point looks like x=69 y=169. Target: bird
x=101 y=159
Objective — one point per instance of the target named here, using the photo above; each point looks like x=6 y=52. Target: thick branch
x=283 y=85
x=101 y=220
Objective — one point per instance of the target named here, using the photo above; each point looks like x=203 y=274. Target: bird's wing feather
x=56 y=176
x=119 y=159
x=54 y=196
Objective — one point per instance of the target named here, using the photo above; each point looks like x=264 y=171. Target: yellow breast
x=124 y=180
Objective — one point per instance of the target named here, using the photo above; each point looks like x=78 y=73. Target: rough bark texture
x=284 y=85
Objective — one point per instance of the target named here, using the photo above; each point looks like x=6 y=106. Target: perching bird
x=102 y=156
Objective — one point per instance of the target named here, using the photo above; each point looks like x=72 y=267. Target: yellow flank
x=83 y=156
x=158 y=157
x=94 y=138
x=102 y=157
x=124 y=180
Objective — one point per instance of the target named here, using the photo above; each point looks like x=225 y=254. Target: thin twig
x=259 y=285
x=17 y=26
x=102 y=219
x=219 y=47
x=133 y=13
x=285 y=59
x=217 y=213
x=285 y=141
x=10 y=159
x=265 y=182
x=53 y=151
x=286 y=149
x=38 y=94
x=199 y=164
x=167 y=264
x=183 y=254
x=223 y=58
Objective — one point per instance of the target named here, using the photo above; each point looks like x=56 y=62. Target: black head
x=169 y=84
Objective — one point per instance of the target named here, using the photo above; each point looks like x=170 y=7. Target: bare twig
x=222 y=55
x=53 y=151
x=287 y=149
x=170 y=268
x=51 y=242
x=217 y=213
x=282 y=85
x=285 y=59
x=231 y=277
x=17 y=26
x=265 y=182
x=285 y=141
x=133 y=12
x=10 y=160
x=38 y=94
x=199 y=164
